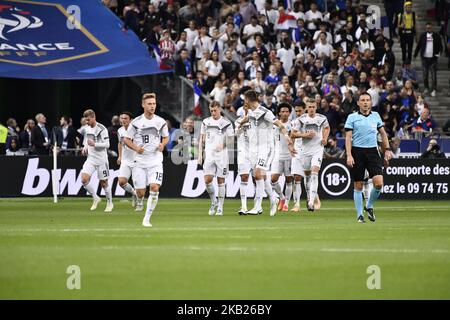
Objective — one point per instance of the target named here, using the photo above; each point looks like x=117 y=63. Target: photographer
x=433 y=151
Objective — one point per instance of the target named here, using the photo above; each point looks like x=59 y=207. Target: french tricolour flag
x=286 y=22
x=197 y=108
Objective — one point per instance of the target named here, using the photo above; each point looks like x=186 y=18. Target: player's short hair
x=251 y=95
x=284 y=105
x=214 y=104
x=128 y=113
x=365 y=94
x=146 y=96
x=89 y=113
x=311 y=100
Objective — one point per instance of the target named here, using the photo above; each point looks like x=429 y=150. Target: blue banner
x=66 y=39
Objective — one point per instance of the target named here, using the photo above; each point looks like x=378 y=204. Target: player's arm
x=285 y=133
x=119 y=150
x=200 y=149
x=130 y=144
x=385 y=144
x=325 y=134
x=104 y=140
x=164 y=141
x=348 y=147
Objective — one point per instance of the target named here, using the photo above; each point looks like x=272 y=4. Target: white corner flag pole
x=55 y=182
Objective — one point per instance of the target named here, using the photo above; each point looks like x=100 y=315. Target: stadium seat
x=341 y=143
x=409 y=146
x=445 y=146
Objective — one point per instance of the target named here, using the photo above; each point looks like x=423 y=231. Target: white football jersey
x=127 y=152
x=147 y=133
x=281 y=146
x=243 y=143
x=216 y=132
x=261 y=133
x=98 y=154
x=316 y=124
x=295 y=125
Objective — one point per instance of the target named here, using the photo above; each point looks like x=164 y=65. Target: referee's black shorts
x=366 y=159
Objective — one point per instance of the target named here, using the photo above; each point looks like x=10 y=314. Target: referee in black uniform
x=362 y=153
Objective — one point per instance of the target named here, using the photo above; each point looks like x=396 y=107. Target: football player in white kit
x=281 y=164
x=243 y=157
x=147 y=135
x=262 y=145
x=126 y=156
x=296 y=165
x=216 y=134
x=96 y=144
x=314 y=131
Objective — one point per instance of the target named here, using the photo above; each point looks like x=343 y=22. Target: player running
x=243 y=157
x=147 y=135
x=126 y=158
x=281 y=164
x=314 y=131
x=362 y=153
x=96 y=144
x=261 y=141
x=216 y=134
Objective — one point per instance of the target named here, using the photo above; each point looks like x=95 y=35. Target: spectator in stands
x=40 y=138
x=394 y=144
x=131 y=18
x=433 y=151
x=13 y=131
x=25 y=135
x=113 y=137
x=430 y=47
x=332 y=151
x=64 y=134
x=423 y=123
x=173 y=132
x=183 y=66
x=409 y=73
x=14 y=148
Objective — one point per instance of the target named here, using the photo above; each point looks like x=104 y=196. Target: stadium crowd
x=284 y=50
x=287 y=50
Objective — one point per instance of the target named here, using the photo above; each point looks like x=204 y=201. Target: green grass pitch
x=190 y=255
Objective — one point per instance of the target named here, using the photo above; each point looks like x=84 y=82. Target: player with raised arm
x=243 y=156
x=261 y=141
x=296 y=164
x=362 y=152
x=281 y=164
x=96 y=144
x=126 y=157
x=216 y=134
x=314 y=131
x=147 y=135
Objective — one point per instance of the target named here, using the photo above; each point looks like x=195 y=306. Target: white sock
x=367 y=188
x=269 y=190
x=288 y=192
x=151 y=204
x=140 y=201
x=91 y=190
x=298 y=192
x=221 y=194
x=242 y=191
x=313 y=187
x=307 y=184
x=128 y=188
x=259 y=193
x=276 y=186
x=211 y=192
x=108 y=193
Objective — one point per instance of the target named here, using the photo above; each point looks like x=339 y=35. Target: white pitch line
x=250 y=249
